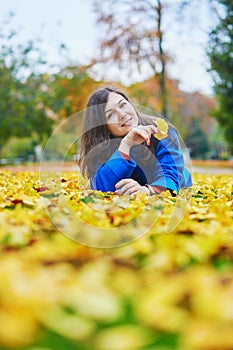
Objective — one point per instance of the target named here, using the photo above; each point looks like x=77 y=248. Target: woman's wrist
x=147 y=190
x=155 y=189
x=124 y=147
x=150 y=189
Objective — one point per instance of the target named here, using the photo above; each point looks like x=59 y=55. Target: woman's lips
x=128 y=122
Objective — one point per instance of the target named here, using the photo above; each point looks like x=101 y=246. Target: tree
x=221 y=66
x=197 y=141
x=133 y=38
x=72 y=87
x=184 y=107
x=23 y=90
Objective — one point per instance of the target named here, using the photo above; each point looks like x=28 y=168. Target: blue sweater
x=166 y=170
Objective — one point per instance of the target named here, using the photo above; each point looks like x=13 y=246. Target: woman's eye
x=123 y=104
x=110 y=115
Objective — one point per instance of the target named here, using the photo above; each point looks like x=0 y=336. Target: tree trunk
x=163 y=89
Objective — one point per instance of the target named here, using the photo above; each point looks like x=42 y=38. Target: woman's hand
x=137 y=135
x=130 y=187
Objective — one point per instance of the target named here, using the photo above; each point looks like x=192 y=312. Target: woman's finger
x=126 y=186
x=150 y=129
x=128 y=190
x=143 y=135
x=153 y=129
x=146 y=131
x=123 y=182
x=124 y=189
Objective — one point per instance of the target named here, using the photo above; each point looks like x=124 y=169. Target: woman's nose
x=120 y=113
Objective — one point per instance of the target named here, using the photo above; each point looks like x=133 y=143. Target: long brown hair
x=97 y=143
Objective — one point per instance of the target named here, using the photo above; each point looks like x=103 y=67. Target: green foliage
x=23 y=89
x=18 y=147
x=61 y=147
x=33 y=101
x=72 y=87
x=221 y=61
x=218 y=144
x=197 y=141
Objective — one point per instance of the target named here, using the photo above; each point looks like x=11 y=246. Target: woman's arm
x=171 y=173
x=169 y=170
x=119 y=167
x=114 y=170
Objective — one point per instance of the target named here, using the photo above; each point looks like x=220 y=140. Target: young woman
x=120 y=153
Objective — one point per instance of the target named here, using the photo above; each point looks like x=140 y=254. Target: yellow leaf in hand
x=162 y=127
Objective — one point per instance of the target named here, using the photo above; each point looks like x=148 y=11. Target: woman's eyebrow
x=117 y=104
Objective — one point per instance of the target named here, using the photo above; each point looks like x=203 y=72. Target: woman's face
x=120 y=115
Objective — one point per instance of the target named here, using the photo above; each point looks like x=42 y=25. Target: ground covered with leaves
x=163 y=291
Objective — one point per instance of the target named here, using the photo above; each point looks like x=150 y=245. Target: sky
x=72 y=22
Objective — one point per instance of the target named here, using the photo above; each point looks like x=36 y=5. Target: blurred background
x=171 y=56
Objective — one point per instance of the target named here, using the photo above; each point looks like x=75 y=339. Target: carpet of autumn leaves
x=163 y=291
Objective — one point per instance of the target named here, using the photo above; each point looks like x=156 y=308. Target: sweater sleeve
x=115 y=169
x=171 y=173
